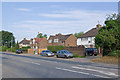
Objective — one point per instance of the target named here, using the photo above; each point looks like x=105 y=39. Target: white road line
x=32 y=62
x=81 y=72
x=95 y=67
x=103 y=72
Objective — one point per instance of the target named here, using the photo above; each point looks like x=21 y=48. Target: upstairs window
x=50 y=41
x=55 y=40
x=84 y=39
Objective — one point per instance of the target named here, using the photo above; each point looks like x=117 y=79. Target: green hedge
x=3 y=48
x=25 y=48
x=55 y=48
x=114 y=53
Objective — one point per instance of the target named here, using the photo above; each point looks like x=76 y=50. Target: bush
x=54 y=49
x=13 y=49
x=114 y=53
x=3 y=48
x=76 y=55
x=25 y=48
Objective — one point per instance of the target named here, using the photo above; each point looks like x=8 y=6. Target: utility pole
x=11 y=44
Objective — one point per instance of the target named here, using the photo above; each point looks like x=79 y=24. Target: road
x=23 y=66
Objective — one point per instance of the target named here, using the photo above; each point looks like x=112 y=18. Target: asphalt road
x=21 y=66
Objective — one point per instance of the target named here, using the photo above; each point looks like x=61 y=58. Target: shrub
x=25 y=48
x=3 y=48
x=76 y=55
x=54 y=49
x=114 y=53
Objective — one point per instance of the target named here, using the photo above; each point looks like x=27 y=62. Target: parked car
x=91 y=51
x=46 y=53
x=19 y=51
x=64 y=53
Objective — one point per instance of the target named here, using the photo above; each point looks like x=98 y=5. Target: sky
x=26 y=19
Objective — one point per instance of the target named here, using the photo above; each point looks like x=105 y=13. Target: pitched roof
x=38 y=39
x=91 y=33
x=61 y=37
x=25 y=41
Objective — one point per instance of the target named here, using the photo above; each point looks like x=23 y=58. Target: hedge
x=55 y=48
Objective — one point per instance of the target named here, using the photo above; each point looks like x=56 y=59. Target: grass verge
x=107 y=59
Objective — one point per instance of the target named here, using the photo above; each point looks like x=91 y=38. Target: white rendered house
x=88 y=39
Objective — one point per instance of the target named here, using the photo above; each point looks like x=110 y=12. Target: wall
x=86 y=42
x=80 y=50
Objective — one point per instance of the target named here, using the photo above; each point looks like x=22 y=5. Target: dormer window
x=50 y=41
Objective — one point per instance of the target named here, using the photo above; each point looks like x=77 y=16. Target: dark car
x=64 y=53
x=47 y=53
x=19 y=51
x=91 y=51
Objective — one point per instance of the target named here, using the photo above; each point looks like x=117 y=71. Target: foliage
x=115 y=53
x=76 y=55
x=7 y=38
x=55 y=48
x=40 y=35
x=12 y=49
x=25 y=48
x=109 y=35
x=78 y=34
x=3 y=48
x=17 y=46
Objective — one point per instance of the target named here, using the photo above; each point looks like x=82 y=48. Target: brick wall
x=80 y=50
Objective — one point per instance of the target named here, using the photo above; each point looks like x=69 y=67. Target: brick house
x=40 y=43
x=24 y=43
x=64 y=40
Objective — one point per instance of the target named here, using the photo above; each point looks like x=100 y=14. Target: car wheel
x=65 y=56
x=47 y=55
x=95 y=54
x=57 y=56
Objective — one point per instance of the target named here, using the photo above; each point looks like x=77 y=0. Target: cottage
x=24 y=43
x=64 y=40
x=87 y=39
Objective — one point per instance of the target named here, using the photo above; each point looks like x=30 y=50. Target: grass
x=107 y=59
x=77 y=56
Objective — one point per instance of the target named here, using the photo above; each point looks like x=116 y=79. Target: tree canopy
x=109 y=35
x=40 y=35
x=7 y=38
x=78 y=34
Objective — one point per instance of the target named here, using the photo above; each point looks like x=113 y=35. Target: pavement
x=35 y=66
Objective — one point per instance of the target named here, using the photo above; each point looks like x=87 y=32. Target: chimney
x=24 y=38
x=98 y=26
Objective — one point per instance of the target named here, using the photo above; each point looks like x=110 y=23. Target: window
x=55 y=40
x=50 y=41
x=84 y=39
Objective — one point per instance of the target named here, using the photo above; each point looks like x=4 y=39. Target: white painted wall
x=86 y=41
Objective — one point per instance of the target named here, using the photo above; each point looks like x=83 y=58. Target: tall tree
x=7 y=39
x=109 y=36
x=40 y=35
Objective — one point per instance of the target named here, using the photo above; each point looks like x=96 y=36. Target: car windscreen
x=47 y=51
x=66 y=51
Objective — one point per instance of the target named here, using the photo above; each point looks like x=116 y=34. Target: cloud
x=64 y=22
x=24 y=9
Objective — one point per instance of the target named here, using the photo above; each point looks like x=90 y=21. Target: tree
x=109 y=36
x=7 y=39
x=17 y=45
x=78 y=34
x=40 y=35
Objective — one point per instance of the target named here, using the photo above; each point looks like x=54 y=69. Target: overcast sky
x=26 y=19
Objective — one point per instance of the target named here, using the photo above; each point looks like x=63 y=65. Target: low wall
x=80 y=50
x=32 y=51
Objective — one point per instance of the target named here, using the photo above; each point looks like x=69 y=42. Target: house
x=24 y=43
x=87 y=39
x=64 y=40
x=40 y=43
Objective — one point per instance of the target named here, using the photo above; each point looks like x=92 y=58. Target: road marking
x=81 y=72
x=103 y=72
x=96 y=67
x=32 y=62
